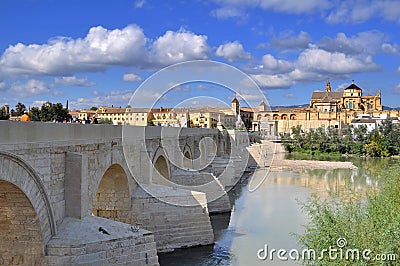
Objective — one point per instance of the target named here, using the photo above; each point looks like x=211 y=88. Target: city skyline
x=95 y=55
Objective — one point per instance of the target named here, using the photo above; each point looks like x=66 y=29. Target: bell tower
x=328 y=87
x=235 y=105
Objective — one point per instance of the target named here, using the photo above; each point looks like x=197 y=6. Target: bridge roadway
x=70 y=196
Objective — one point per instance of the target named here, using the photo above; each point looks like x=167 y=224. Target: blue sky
x=98 y=52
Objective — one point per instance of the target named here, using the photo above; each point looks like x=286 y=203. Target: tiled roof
x=246 y=109
x=353 y=87
x=322 y=94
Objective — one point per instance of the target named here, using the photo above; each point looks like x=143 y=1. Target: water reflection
x=271 y=214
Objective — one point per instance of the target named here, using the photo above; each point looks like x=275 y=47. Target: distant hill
x=390 y=108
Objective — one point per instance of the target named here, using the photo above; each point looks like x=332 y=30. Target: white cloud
x=38 y=103
x=342 y=86
x=65 y=56
x=140 y=3
x=130 y=77
x=321 y=61
x=363 y=42
x=359 y=11
x=272 y=65
x=289 y=95
x=390 y=49
x=3 y=86
x=116 y=98
x=300 y=41
x=232 y=51
x=31 y=87
x=179 y=46
x=312 y=64
x=74 y=81
x=351 y=11
x=396 y=90
x=235 y=8
x=273 y=81
x=398 y=69
x=227 y=12
x=98 y=50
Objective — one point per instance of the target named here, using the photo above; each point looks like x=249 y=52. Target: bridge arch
x=23 y=197
x=161 y=167
x=112 y=199
x=187 y=157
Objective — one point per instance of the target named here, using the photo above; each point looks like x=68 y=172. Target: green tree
x=346 y=145
x=49 y=112
x=376 y=145
x=105 y=121
x=391 y=133
x=93 y=108
x=35 y=114
x=4 y=115
x=20 y=108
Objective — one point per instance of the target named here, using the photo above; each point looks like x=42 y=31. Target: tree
x=105 y=121
x=35 y=114
x=20 y=108
x=392 y=136
x=49 y=112
x=4 y=115
x=93 y=108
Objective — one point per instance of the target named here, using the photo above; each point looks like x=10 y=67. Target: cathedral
x=326 y=108
x=350 y=99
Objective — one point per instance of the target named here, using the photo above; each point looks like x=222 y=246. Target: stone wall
x=113 y=200
x=21 y=240
x=184 y=223
x=217 y=198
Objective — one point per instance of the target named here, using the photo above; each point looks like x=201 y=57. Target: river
x=272 y=214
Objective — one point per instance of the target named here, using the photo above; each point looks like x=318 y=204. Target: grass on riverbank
x=366 y=224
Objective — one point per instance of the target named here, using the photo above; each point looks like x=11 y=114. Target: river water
x=272 y=214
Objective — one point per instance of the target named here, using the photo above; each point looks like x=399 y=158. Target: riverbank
x=283 y=165
x=268 y=154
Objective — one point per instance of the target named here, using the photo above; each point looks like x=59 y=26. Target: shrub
x=366 y=223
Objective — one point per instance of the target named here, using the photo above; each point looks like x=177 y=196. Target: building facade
x=326 y=108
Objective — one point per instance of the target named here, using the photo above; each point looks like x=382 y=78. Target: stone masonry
x=56 y=178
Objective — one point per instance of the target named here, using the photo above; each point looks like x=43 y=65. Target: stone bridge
x=75 y=194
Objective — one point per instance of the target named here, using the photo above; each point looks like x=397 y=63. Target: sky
x=94 y=53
